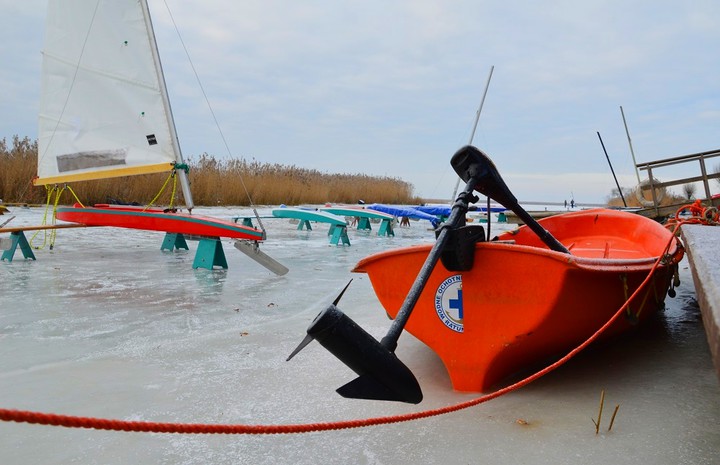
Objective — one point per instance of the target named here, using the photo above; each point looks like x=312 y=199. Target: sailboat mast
x=181 y=173
x=472 y=135
x=637 y=173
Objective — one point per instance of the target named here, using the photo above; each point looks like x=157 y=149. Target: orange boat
x=522 y=303
x=491 y=309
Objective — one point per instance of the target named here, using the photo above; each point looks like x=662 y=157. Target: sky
x=392 y=88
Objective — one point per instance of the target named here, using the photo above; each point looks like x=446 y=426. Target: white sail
x=103 y=108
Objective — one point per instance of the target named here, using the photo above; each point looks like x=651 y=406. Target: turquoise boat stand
x=209 y=252
x=18 y=238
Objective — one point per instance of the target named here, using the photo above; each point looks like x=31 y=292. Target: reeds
x=18 y=165
x=213 y=182
x=612 y=419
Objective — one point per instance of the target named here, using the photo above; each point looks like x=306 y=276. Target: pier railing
x=654 y=185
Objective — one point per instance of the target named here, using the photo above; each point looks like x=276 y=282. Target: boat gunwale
x=580 y=261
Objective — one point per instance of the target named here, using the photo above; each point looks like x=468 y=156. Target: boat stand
x=174 y=241
x=18 y=238
x=209 y=253
x=364 y=224
x=386 y=228
x=338 y=233
x=304 y=224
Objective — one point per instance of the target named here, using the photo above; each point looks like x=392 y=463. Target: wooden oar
x=42 y=227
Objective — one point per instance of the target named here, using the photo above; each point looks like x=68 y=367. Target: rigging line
x=212 y=112
x=72 y=83
x=74 y=195
x=162 y=189
x=49 y=191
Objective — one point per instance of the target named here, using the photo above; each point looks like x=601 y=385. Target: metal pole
x=637 y=173
x=477 y=118
x=613 y=171
x=482 y=102
x=182 y=176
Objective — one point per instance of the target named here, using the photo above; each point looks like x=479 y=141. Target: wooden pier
x=654 y=208
x=702 y=244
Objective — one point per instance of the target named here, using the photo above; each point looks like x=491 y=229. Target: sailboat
x=105 y=112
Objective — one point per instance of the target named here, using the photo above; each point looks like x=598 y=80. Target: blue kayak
x=405 y=211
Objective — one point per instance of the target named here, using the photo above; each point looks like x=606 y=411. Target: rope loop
x=699 y=214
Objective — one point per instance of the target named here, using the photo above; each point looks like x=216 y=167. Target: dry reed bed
x=213 y=182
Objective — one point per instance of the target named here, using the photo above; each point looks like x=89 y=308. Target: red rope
x=699 y=214
x=70 y=421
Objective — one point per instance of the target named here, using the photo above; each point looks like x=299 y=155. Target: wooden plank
x=678 y=182
x=678 y=160
x=41 y=227
x=703 y=255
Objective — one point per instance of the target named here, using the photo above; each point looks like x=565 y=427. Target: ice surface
x=106 y=325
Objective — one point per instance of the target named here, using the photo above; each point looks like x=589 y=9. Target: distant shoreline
x=525 y=202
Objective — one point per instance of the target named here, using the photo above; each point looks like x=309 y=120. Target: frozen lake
x=106 y=325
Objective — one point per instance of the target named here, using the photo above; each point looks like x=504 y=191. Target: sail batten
x=149 y=85
x=104 y=110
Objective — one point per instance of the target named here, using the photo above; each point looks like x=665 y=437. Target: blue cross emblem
x=457 y=304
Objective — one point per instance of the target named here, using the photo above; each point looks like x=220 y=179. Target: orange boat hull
x=523 y=303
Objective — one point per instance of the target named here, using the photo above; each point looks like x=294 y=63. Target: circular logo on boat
x=449 y=303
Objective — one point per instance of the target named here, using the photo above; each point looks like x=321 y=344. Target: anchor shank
x=456 y=219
